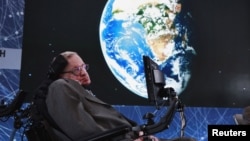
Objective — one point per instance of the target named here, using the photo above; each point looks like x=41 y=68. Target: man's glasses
x=77 y=70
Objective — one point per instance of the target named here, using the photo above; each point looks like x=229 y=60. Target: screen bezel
x=155 y=80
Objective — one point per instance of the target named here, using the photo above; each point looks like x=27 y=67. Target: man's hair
x=58 y=64
x=68 y=54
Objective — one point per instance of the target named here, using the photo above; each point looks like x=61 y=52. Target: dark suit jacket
x=79 y=113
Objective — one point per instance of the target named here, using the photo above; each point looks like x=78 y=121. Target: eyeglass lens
x=77 y=71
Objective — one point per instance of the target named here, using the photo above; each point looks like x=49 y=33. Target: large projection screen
x=220 y=70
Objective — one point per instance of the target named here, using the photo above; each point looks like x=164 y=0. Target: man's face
x=77 y=70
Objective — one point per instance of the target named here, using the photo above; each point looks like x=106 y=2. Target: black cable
x=183 y=122
x=17 y=102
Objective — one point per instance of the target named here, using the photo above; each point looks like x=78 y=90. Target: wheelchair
x=39 y=124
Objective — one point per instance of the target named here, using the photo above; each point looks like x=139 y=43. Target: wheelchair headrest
x=56 y=67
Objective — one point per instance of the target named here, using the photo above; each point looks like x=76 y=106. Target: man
x=244 y=118
x=74 y=109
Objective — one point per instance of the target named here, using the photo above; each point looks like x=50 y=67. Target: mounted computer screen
x=155 y=80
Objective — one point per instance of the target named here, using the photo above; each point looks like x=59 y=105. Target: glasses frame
x=77 y=70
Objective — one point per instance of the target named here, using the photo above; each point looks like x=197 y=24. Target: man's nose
x=83 y=72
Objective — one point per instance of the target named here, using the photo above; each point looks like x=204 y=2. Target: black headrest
x=56 y=67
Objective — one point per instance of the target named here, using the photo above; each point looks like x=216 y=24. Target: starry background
x=220 y=71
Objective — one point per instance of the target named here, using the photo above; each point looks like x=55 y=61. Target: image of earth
x=160 y=29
